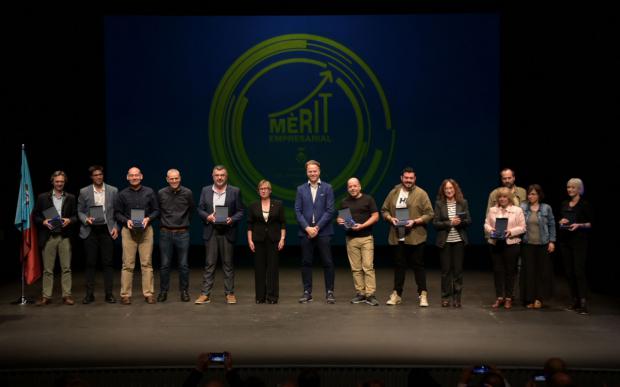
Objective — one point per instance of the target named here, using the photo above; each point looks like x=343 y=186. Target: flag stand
x=23 y=300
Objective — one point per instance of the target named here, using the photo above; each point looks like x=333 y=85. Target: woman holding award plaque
x=266 y=235
x=538 y=242
x=451 y=220
x=504 y=223
x=575 y=222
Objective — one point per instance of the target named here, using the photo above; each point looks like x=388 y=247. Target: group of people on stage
x=517 y=224
x=530 y=232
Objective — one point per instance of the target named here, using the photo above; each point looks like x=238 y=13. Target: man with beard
x=508 y=180
x=408 y=239
x=98 y=234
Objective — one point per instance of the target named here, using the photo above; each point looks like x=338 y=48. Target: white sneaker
x=394 y=299
x=423 y=298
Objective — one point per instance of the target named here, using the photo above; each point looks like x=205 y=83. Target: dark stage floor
x=173 y=333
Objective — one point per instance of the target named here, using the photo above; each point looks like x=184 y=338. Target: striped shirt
x=453 y=235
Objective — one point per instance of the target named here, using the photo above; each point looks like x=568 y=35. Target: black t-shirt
x=581 y=213
x=361 y=210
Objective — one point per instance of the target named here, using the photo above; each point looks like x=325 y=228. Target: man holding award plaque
x=54 y=212
x=358 y=214
x=98 y=229
x=136 y=208
x=220 y=208
x=408 y=235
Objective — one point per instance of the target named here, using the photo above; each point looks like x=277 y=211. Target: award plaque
x=501 y=225
x=571 y=217
x=345 y=214
x=96 y=212
x=221 y=214
x=137 y=216
x=53 y=218
x=402 y=214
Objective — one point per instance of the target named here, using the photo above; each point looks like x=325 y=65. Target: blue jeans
x=168 y=241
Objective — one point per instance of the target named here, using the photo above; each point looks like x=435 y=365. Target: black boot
x=583 y=307
x=457 y=302
x=574 y=306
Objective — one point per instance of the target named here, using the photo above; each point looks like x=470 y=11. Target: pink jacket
x=516 y=222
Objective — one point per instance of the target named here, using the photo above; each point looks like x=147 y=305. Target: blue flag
x=29 y=253
x=25 y=201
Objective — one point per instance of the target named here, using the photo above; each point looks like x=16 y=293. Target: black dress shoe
x=260 y=301
x=184 y=296
x=162 y=297
x=89 y=298
x=583 y=307
x=572 y=307
x=110 y=299
x=272 y=301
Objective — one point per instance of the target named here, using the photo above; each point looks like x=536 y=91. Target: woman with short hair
x=266 y=236
x=504 y=245
x=575 y=223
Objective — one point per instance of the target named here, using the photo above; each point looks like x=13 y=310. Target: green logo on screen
x=298 y=97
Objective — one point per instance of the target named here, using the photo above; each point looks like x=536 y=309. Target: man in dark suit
x=98 y=233
x=219 y=234
x=54 y=213
x=314 y=209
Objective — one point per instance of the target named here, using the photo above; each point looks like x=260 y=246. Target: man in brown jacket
x=408 y=236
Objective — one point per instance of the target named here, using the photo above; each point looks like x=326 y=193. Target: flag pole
x=23 y=300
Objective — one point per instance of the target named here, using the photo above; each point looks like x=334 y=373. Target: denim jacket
x=545 y=220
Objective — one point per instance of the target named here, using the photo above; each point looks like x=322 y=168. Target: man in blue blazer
x=219 y=234
x=314 y=208
x=98 y=234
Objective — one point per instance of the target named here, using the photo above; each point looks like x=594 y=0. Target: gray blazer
x=86 y=199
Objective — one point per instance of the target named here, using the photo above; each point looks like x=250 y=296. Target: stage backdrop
x=364 y=95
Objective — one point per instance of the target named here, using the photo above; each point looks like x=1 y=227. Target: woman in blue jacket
x=538 y=243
